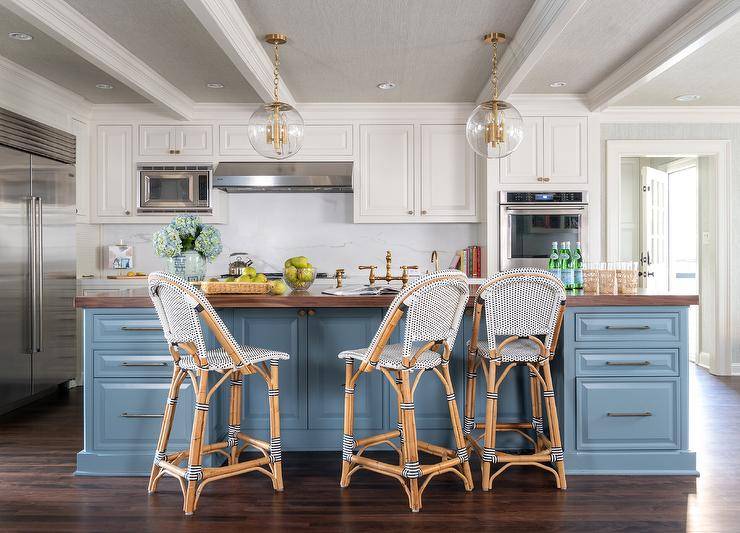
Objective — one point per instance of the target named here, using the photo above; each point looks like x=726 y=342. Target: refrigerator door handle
x=40 y=274
x=33 y=277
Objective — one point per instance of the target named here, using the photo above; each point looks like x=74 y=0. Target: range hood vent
x=284 y=177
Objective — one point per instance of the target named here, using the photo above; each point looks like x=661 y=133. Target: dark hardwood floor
x=39 y=493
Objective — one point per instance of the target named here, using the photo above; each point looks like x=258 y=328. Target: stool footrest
x=377 y=439
x=236 y=468
x=377 y=466
x=434 y=449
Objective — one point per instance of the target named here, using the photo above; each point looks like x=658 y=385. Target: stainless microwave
x=174 y=189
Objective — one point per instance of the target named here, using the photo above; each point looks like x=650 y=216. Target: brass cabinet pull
x=540 y=179
x=172 y=152
x=142 y=415
x=177 y=151
x=311 y=312
x=622 y=415
x=545 y=179
x=140 y=328
x=410 y=212
x=628 y=327
x=423 y=211
x=127 y=212
x=301 y=312
x=126 y=363
x=628 y=363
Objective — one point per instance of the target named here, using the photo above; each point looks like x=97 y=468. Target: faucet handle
x=340 y=277
x=367 y=267
x=409 y=267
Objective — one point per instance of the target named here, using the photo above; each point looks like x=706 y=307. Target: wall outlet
x=705 y=237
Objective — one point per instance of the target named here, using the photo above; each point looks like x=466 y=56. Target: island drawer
x=627 y=327
x=154 y=362
x=639 y=414
x=126 y=328
x=627 y=362
x=128 y=414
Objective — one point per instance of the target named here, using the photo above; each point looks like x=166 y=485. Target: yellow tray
x=234 y=287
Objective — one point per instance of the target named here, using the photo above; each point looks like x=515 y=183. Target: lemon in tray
x=299 y=274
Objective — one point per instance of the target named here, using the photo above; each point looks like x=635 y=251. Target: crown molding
x=26 y=93
x=549 y=104
x=230 y=29
x=77 y=33
x=545 y=20
x=698 y=27
x=671 y=114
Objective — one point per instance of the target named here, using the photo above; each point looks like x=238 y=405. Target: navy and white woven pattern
x=411 y=470
x=348 y=447
x=520 y=351
x=522 y=305
x=434 y=308
x=178 y=309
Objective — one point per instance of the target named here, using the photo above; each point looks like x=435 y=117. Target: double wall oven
x=531 y=221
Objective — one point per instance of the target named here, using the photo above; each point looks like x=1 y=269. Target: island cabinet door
x=331 y=331
x=282 y=330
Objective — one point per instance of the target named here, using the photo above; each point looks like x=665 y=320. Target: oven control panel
x=569 y=197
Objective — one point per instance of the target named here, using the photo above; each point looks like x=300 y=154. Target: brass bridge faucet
x=404 y=277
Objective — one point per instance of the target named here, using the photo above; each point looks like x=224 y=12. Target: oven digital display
x=542 y=197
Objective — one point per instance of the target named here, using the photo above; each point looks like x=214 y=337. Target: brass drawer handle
x=140 y=328
x=628 y=363
x=621 y=415
x=126 y=363
x=142 y=415
x=311 y=312
x=628 y=327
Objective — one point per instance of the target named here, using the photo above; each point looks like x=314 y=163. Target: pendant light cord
x=276 y=74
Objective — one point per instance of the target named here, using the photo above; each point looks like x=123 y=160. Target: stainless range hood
x=284 y=177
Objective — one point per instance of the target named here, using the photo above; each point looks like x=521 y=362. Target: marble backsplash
x=273 y=227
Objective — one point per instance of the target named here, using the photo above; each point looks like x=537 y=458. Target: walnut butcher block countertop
x=126 y=298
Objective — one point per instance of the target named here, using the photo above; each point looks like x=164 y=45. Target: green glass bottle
x=566 y=265
x=553 y=263
x=578 y=267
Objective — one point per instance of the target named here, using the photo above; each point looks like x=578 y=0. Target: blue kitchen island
x=621 y=380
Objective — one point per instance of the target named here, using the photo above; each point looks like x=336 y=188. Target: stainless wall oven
x=532 y=221
x=174 y=188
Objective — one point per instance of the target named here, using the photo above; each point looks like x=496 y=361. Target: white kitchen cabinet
x=565 y=149
x=233 y=139
x=81 y=132
x=320 y=141
x=448 y=175
x=553 y=152
x=114 y=171
x=163 y=140
x=384 y=178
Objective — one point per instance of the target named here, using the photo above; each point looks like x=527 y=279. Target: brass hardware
x=621 y=415
x=495 y=127
x=301 y=312
x=403 y=278
x=142 y=415
x=435 y=260
x=277 y=130
x=489 y=38
x=311 y=312
x=126 y=363
x=127 y=212
x=134 y=328
x=410 y=212
x=545 y=179
x=340 y=277
x=177 y=151
x=371 y=268
x=540 y=179
x=172 y=151
x=628 y=363
x=628 y=327
x=276 y=38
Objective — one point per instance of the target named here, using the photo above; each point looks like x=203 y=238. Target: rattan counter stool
x=180 y=306
x=432 y=307
x=524 y=313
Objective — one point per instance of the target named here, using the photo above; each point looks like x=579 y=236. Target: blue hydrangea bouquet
x=187 y=244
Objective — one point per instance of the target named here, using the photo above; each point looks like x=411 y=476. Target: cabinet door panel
x=331 y=331
x=233 y=139
x=524 y=165
x=565 y=143
x=282 y=330
x=327 y=140
x=448 y=184
x=193 y=140
x=156 y=140
x=386 y=174
x=114 y=171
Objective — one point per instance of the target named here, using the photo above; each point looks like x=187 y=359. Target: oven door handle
x=544 y=209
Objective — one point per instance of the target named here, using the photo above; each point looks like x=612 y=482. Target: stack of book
x=469 y=261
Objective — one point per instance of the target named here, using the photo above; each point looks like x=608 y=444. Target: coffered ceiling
x=627 y=52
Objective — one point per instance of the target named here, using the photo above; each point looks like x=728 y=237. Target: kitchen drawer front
x=627 y=362
x=128 y=414
x=639 y=414
x=127 y=328
x=627 y=327
x=154 y=363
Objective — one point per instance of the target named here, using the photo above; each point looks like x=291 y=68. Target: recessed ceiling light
x=104 y=86
x=215 y=85
x=557 y=84
x=386 y=85
x=20 y=36
x=687 y=97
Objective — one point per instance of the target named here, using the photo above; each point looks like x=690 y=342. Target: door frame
x=720 y=361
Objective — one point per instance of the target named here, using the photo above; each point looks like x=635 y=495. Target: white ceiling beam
x=230 y=29
x=59 y=20
x=705 y=22
x=545 y=20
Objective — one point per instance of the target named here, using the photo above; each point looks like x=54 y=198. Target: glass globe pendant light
x=495 y=128
x=276 y=129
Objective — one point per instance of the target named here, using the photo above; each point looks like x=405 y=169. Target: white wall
x=273 y=227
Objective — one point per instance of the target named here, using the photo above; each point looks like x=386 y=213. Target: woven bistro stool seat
x=432 y=308
x=524 y=310
x=181 y=308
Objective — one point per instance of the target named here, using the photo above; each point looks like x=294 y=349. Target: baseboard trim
x=735 y=369
x=703 y=359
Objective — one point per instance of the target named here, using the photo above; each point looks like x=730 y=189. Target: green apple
x=300 y=261
x=250 y=271
x=230 y=280
x=260 y=278
x=305 y=274
x=245 y=278
x=288 y=262
x=213 y=279
x=291 y=273
x=278 y=287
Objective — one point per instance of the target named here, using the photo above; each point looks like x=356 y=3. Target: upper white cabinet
x=554 y=151
x=384 y=177
x=319 y=141
x=448 y=179
x=114 y=171
x=162 y=140
x=82 y=169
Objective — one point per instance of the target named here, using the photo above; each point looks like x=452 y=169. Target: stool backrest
x=433 y=307
x=179 y=307
x=522 y=302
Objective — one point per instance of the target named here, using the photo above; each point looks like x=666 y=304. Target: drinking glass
x=607 y=278
x=627 y=278
x=590 y=278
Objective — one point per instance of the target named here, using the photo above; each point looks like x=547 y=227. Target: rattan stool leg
x=412 y=469
x=235 y=415
x=470 y=382
x=195 y=459
x=488 y=457
x=164 y=435
x=552 y=418
x=457 y=429
x=349 y=408
x=275 y=443
x=537 y=422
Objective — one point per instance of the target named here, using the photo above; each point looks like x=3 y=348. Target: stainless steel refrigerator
x=37 y=258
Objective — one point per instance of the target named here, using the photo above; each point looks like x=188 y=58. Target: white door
x=114 y=179
x=448 y=184
x=524 y=165
x=192 y=140
x=384 y=186
x=156 y=140
x=654 y=235
x=565 y=143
